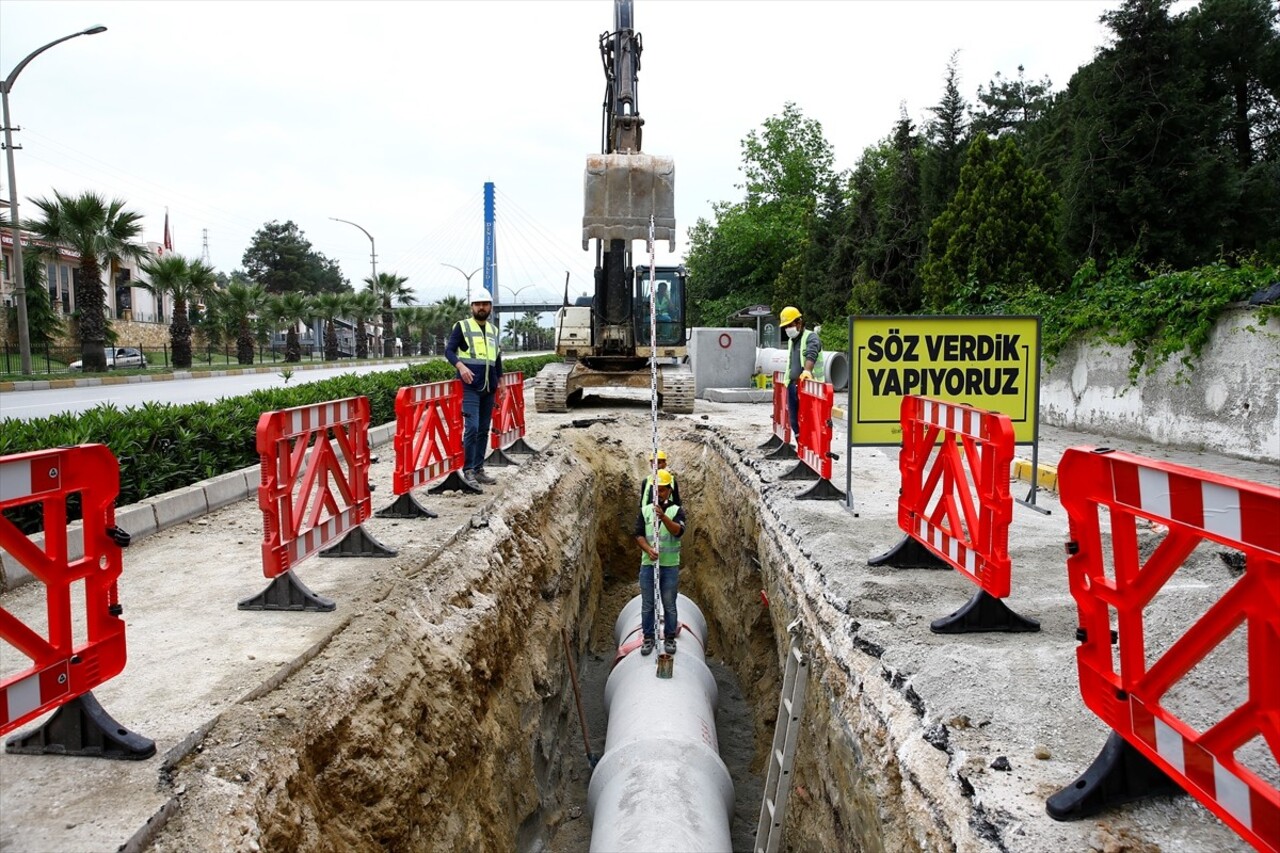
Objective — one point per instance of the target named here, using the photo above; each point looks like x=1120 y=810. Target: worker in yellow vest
x=479 y=369
x=803 y=362
x=662 y=523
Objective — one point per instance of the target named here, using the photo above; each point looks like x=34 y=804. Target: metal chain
x=653 y=420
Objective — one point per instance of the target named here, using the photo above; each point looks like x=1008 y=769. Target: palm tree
x=329 y=307
x=389 y=288
x=363 y=306
x=409 y=319
x=172 y=275
x=238 y=306
x=100 y=232
x=288 y=310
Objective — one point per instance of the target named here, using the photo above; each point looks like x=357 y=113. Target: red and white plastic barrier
x=63 y=671
x=955 y=503
x=1129 y=691
x=508 y=412
x=428 y=439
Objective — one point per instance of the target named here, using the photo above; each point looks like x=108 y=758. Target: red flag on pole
x=168 y=241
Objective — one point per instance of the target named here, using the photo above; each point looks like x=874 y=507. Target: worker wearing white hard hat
x=479 y=367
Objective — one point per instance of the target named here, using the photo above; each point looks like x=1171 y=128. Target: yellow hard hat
x=665 y=478
x=789 y=315
x=662 y=454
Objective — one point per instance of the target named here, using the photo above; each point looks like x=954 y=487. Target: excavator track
x=551 y=393
x=677 y=388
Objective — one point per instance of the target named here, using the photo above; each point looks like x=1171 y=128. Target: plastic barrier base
x=405 y=506
x=1120 y=774
x=909 y=553
x=823 y=490
x=287 y=592
x=984 y=612
x=357 y=543
x=500 y=459
x=519 y=446
x=82 y=727
x=453 y=483
x=802 y=471
x=784 y=451
x=772 y=443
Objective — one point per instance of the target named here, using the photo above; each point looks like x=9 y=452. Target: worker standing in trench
x=646 y=489
x=662 y=523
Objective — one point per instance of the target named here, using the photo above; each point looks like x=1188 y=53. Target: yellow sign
x=988 y=362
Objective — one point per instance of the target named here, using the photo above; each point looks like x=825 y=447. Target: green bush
x=163 y=446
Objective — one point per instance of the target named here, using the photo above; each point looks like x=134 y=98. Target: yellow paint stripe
x=1048 y=474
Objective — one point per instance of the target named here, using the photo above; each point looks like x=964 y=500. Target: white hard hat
x=481 y=295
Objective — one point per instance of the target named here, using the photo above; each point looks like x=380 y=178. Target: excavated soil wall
x=443 y=715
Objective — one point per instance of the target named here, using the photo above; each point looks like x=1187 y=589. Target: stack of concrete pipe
x=835 y=365
x=661 y=785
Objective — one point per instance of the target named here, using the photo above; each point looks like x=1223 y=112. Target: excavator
x=607 y=342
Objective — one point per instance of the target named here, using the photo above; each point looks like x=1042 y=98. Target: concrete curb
x=161 y=512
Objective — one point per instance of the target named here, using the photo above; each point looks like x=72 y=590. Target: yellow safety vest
x=668 y=544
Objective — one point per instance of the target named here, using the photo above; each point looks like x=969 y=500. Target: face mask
x=793 y=332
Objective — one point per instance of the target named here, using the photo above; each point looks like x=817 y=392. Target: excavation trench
x=443 y=716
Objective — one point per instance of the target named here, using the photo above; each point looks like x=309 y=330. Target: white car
x=122 y=357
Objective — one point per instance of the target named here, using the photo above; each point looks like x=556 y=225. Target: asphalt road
x=25 y=405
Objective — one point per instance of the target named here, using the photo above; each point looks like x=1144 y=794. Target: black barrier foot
x=984 y=612
x=405 y=506
x=1120 y=774
x=801 y=472
x=909 y=553
x=518 y=446
x=82 y=727
x=784 y=451
x=453 y=483
x=499 y=459
x=287 y=592
x=357 y=543
x=773 y=442
x=823 y=490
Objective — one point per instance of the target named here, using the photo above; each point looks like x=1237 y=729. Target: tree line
x=1159 y=162
x=284 y=283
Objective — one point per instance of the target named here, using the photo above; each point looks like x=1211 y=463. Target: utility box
x=721 y=358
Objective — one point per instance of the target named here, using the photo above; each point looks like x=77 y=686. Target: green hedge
x=164 y=446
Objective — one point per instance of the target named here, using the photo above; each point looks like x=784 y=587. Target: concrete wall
x=1229 y=403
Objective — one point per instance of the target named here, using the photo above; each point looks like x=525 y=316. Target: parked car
x=122 y=357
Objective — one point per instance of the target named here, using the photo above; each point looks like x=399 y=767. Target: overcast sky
x=394 y=114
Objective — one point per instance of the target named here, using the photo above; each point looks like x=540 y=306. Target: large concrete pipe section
x=660 y=785
x=835 y=365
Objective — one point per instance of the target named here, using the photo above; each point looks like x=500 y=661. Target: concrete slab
x=179 y=505
x=229 y=488
x=738 y=395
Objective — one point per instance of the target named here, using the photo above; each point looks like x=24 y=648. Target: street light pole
x=388 y=336
x=19 y=285
x=466 y=275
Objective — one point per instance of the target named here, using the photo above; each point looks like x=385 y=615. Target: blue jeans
x=670 y=581
x=477 y=413
x=793 y=408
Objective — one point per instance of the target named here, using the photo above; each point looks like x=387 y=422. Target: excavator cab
x=667 y=294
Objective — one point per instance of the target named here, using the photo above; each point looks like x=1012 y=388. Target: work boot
x=670 y=645
x=482 y=477
x=647 y=648
x=469 y=477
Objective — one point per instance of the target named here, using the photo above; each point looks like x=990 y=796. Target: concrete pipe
x=835 y=365
x=660 y=785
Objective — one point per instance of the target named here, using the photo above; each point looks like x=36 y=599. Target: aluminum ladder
x=777 y=786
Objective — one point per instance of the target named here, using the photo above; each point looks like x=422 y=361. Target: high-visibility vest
x=668 y=545
x=482 y=345
x=803 y=341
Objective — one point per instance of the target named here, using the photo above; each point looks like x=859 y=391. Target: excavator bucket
x=622 y=191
